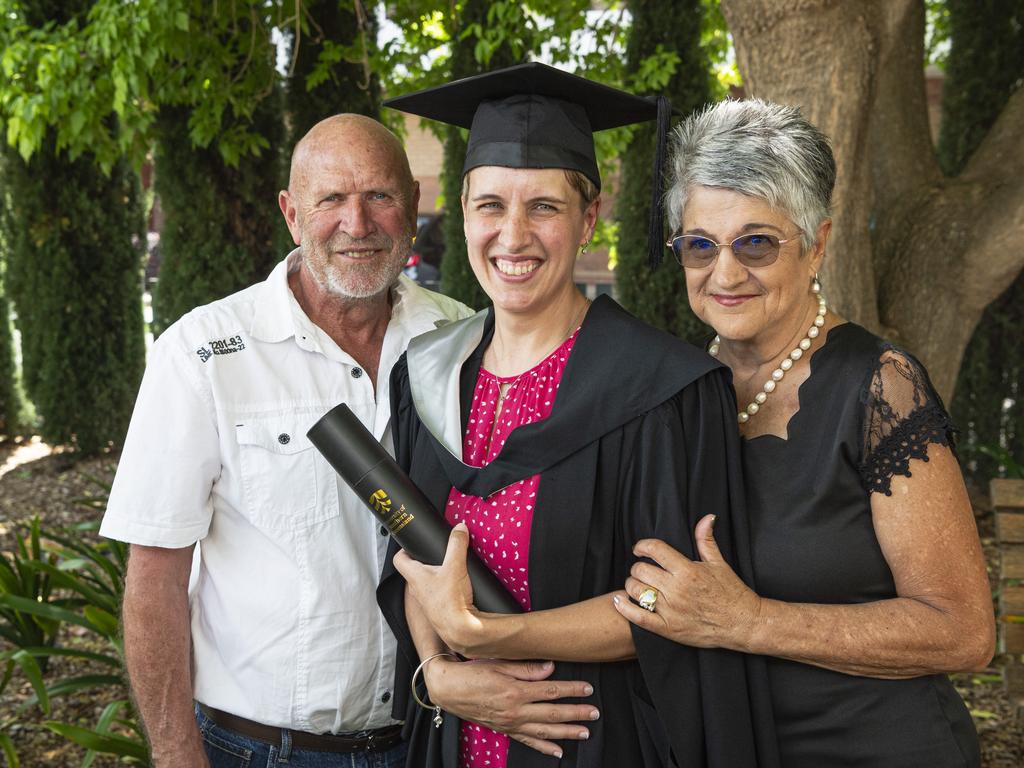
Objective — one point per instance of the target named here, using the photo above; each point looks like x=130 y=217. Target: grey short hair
x=758 y=149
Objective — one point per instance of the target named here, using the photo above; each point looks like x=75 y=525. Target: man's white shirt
x=285 y=625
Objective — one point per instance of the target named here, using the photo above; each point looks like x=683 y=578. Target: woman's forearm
x=424 y=637
x=897 y=638
x=589 y=631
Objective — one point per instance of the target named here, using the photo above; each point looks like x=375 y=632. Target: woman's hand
x=512 y=697
x=700 y=603
x=444 y=592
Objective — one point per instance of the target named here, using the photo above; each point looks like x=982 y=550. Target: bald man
x=277 y=652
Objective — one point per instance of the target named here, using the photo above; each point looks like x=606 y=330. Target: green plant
x=7 y=747
x=21 y=581
x=1003 y=459
x=88 y=575
x=132 y=749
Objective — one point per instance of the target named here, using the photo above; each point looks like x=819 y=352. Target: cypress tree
x=985 y=66
x=220 y=230
x=658 y=297
x=12 y=404
x=74 y=272
x=457 y=278
x=222 y=227
x=323 y=80
x=319 y=85
x=12 y=415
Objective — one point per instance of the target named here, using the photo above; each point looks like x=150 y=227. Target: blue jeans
x=228 y=749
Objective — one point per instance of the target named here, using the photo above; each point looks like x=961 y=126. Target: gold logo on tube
x=395 y=520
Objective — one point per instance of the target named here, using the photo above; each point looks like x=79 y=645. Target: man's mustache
x=376 y=242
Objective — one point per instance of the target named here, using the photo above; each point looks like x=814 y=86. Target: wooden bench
x=1008 y=504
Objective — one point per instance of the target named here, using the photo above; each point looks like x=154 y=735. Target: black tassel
x=656 y=228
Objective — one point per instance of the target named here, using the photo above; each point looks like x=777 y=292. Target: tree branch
x=903 y=157
x=992 y=183
x=1001 y=154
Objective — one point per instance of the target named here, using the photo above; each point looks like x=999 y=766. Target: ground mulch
x=34 y=481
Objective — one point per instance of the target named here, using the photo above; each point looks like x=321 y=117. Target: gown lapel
x=598 y=392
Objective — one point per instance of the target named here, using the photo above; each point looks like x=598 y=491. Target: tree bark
x=914 y=255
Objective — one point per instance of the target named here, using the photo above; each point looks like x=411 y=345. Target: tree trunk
x=914 y=255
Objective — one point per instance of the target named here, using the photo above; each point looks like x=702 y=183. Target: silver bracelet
x=437 y=720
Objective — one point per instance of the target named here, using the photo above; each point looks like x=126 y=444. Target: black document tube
x=397 y=503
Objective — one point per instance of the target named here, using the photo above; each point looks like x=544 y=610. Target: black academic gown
x=641 y=442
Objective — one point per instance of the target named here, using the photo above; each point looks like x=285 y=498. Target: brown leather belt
x=377 y=740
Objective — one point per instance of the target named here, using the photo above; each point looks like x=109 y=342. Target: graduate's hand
x=700 y=603
x=445 y=592
x=514 y=697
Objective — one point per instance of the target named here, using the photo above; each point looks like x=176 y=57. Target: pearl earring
x=584 y=247
x=815 y=284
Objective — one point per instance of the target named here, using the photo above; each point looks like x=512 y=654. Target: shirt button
x=383 y=531
x=386 y=697
x=357 y=372
x=284 y=438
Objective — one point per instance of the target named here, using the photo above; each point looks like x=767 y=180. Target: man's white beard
x=357 y=281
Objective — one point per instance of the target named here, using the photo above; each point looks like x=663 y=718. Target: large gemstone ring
x=648 y=598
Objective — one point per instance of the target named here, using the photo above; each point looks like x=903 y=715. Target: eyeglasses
x=754 y=250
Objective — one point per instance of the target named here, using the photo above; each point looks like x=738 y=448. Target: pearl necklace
x=787 y=361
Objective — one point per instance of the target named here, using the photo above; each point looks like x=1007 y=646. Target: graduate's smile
x=515 y=269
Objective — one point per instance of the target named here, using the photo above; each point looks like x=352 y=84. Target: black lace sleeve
x=903 y=416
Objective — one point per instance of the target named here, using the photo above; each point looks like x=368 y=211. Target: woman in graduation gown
x=559 y=432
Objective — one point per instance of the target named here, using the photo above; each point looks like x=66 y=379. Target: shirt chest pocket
x=286 y=482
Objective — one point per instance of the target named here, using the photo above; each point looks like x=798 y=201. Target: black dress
x=865 y=411
x=640 y=442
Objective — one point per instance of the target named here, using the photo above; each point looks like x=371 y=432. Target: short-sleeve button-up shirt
x=285 y=625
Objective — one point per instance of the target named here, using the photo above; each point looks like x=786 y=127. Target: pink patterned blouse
x=499 y=525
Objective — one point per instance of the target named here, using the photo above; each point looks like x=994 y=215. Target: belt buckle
x=369 y=743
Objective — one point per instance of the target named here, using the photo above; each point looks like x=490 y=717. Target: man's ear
x=415 y=206
x=291 y=215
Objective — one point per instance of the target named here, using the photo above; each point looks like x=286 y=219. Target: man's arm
x=157 y=648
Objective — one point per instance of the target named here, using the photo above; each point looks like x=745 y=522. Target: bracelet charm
x=438 y=718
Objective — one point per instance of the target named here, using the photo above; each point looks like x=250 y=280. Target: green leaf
x=104 y=621
x=76 y=122
x=74 y=653
x=109 y=713
x=45 y=610
x=983 y=714
x=107 y=743
x=181 y=21
x=72 y=685
x=13 y=130
x=8 y=672
x=7 y=745
x=75 y=584
x=30 y=667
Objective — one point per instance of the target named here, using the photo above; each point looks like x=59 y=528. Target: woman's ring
x=648 y=598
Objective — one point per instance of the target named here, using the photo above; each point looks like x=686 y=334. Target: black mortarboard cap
x=535 y=116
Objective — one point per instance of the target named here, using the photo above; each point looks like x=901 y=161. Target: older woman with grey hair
x=870 y=577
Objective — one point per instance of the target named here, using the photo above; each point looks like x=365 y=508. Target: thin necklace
x=787 y=361
x=508 y=386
